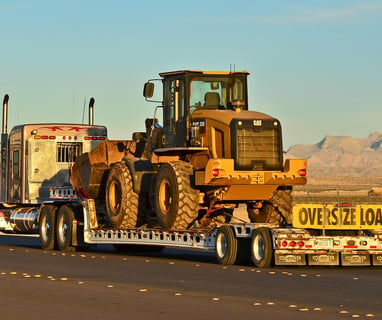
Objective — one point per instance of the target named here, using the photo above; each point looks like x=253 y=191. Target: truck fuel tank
x=19 y=218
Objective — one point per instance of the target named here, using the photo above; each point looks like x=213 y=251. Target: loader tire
x=121 y=200
x=283 y=200
x=47 y=224
x=64 y=228
x=269 y=211
x=176 y=202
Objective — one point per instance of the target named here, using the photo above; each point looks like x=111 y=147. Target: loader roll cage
x=186 y=91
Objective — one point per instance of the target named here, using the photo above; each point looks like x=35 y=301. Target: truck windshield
x=216 y=93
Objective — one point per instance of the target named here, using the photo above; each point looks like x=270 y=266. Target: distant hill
x=342 y=156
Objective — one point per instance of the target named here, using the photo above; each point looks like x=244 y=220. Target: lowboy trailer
x=179 y=186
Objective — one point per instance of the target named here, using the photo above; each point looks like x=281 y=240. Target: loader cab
x=184 y=92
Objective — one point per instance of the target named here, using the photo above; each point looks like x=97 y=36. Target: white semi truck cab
x=35 y=159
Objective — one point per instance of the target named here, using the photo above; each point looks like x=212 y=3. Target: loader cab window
x=173 y=113
x=237 y=97
x=218 y=93
x=238 y=90
x=208 y=93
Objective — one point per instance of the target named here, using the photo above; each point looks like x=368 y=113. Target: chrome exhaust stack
x=5 y=114
x=91 y=111
x=4 y=151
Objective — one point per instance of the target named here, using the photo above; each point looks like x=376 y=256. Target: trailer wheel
x=64 y=228
x=121 y=200
x=47 y=227
x=261 y=248
x=226 y=245
x=176 y=202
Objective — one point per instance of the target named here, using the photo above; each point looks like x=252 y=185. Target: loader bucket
x=89 y=173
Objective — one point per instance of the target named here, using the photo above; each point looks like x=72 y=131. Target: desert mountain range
x=342 y=156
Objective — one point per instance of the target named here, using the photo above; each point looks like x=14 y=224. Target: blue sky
x=315 y=65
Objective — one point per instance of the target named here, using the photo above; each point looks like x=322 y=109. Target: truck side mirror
x=148 y=90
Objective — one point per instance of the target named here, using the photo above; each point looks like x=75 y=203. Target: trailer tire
x=47 y=224
x=121 y=200
x=226 y=245
x=261 y=248
x=176 y=202
x=64 y=228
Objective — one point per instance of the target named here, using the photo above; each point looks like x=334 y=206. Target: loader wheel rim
x=115 y=197
x=259 y=247
x=164 y=196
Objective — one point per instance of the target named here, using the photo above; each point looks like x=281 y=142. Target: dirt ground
x=340 y=189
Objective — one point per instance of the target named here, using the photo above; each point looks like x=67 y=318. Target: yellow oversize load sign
x=319 y=216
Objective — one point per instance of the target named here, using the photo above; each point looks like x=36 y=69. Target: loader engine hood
x=253 y=139
x=226 y=116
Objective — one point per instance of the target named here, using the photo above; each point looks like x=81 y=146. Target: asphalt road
x=103 y=284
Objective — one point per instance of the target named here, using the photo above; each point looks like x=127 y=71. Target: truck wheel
x=64 y=228
x=47 y=227
x=261 y=248
x=226 y=245
x=176 y=202
x=121 y=200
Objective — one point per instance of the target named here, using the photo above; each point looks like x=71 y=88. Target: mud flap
x=323 y=259
x=285 y=259
x=377 y=259
x=355 y=259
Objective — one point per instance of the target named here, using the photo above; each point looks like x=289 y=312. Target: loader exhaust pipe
x=91 y=111
x=4 y=152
